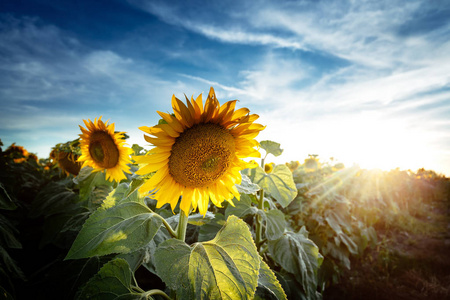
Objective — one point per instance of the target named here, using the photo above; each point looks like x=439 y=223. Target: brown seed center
x=103 y=150
x=201 y=155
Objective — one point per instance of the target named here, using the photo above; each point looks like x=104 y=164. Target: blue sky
x=366 y=82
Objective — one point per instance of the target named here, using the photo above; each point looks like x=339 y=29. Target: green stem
x=182 y=225
x=258 y=240
x=156 y=292
x=167 y=225
x=169 y=228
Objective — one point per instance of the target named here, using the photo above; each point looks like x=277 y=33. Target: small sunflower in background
x=104 y=150
x=312 y=163
x=293 y=165
x=67 y=161
x=18 y=153
x=268 y=168
x=198 y=153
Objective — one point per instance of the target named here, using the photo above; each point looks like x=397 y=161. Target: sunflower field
x=204 y=215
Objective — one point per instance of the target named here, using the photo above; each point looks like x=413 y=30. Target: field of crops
x=309 y=229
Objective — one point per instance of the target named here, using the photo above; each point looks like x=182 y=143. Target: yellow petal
x=181 y=112
x=169 y=130
x=152 y=167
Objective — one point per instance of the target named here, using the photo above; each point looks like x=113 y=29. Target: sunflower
x=102 y=149
x=198 y=153
x=293 y=165
x=312 y=164
x=268 y=168
x=67 y=162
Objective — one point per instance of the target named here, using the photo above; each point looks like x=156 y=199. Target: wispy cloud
x=50 y=81
x=393 y=84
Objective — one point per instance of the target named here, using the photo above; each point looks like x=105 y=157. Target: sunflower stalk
x=259 y=240
x=182 y=226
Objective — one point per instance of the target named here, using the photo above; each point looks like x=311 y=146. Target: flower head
x=103 y=149
x=312 y=164
x=67 y=161
x=198 y=153
x=293 y=165
x=268 y=168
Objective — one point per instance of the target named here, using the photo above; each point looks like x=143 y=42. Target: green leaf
x=5 y=200
x=120 y=229
x=247 y=186
x=10 y=265
x=115 y=196
x=340 y=253
x=276 y=224
x=210 y=229
x=279 y=183
x=268 y=282
x=112 y=281
x=199 y=219
x=347 y=241
x=98 y=196
x=338 y=219
x=223 y=268
x=299 y=256
x=137 y=149
x=242 y=208
x=8 y=234
x=78 y=273
x=75 y=222
x=271 y=147
x=54 y=198
x=291 y=287
x=88 y=180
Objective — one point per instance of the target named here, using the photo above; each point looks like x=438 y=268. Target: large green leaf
x=271 y=147
x=223 y=268
x=112 y=281
x=298 y=255
x=268 y=284
x=279 y=183
x=276 y=224
x=120 y=229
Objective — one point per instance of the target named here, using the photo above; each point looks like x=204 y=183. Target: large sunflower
x=198 y=153
x=102 y=149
